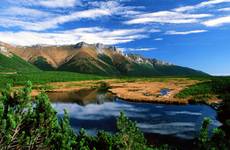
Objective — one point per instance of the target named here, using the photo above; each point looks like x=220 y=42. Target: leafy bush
x=218 y=141
x=31 y=125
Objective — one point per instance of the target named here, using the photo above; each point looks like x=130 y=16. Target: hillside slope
x=15 y=64
x=11 y=63
x=97 y=59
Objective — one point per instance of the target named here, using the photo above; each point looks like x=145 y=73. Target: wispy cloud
x=154 y=30
x=224 y=9
x=184 y=32
x=19 y=16
x=116 y=7
x=217 y=21
x=29 y=17
x=167 y=17
x=47 y=3
x=89 y=35
x=59 y=3
x=23 y=11
x=200 y=5
x=158 y=39
x=55 y=21
x=140 y=49
x=37 y=20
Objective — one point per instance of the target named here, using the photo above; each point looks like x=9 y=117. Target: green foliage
x=203 y=91
x=203 y=138
x=25 y=124
x=42 y=64
x=200 y=89
x=218 y=141
x=90 y=66
x=131 y=138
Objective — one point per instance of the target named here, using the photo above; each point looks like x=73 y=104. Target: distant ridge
x=98 y=59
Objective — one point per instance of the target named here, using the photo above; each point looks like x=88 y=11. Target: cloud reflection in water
x=181 y=121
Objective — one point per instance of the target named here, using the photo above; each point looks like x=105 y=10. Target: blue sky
x=192 y=33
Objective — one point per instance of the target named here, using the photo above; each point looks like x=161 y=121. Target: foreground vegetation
x=27 y=124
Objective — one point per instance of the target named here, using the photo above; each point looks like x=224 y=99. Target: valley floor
x=137 y=90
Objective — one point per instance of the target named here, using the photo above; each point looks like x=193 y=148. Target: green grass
x=201 y=92
x=153 y=78
x=195 y=90
x=15 y=64
x=42 y=64
x=44 y=77
x=90 y=66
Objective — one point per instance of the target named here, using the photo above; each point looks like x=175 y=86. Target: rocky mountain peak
x=81 y=44
x=99 y=47
x=140 y=59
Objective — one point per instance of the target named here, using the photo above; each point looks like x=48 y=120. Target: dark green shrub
x=104 y=86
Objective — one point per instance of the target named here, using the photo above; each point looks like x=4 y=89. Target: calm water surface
x=95 y=110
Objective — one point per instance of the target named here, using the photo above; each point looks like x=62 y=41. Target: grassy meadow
x=43 y=77
x=212 y=87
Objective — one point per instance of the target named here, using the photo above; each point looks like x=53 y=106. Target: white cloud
x=140 y=49
x=200 y=5
x=55 y=21
x=104 y=4
x=47 y=3
x=59 y=3
x=158 y=39
x=154 y=30
x=167 y=17
x=217 y=21
x=89 y=35
x=184 y=32
x=37 y=20
x=116 y=7
x=23 y=11
x=224 y=9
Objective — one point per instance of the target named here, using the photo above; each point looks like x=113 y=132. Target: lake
x=94 y=110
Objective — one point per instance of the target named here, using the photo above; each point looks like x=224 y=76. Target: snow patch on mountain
x=5 y=51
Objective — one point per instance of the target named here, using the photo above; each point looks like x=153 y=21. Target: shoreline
x=134 y=91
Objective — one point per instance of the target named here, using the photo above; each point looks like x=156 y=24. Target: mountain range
x=86 y=58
